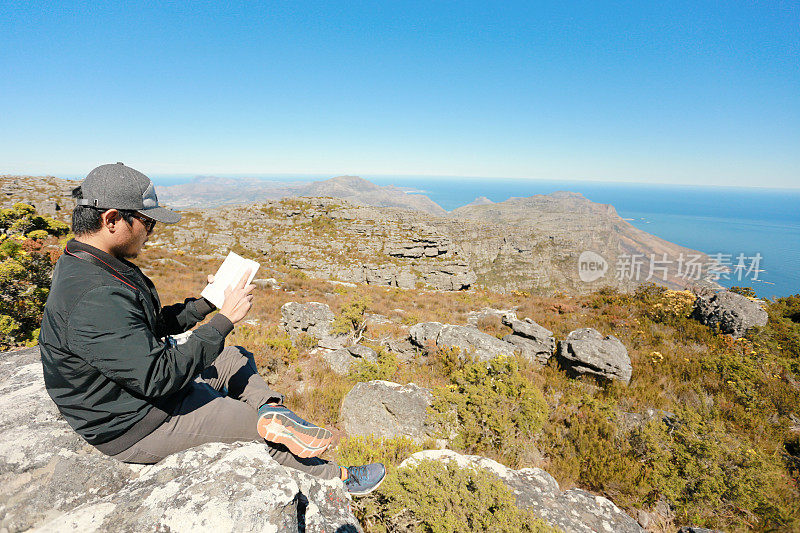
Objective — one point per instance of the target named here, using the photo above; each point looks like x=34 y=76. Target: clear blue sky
x=695 y=92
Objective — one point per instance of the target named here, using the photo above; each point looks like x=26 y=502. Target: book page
x=229 y=273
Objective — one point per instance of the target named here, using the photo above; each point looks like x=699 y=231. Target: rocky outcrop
x=533 y=341
x=573 y=510
x=444 y=275
x=50 y=479
x=216 y=487
x=49 y=195
x=474 y=318
x=343 y=359
x=586 y=351
x=312 y=318
x=418 y=246
x=469 y=340
x=386 y=409
x=729 y=312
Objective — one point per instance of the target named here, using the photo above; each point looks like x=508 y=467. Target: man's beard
x=124 y=252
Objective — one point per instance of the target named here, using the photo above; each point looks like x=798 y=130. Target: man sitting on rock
x=118 y=377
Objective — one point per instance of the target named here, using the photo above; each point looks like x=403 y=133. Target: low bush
x=359 y=450
x=585 y=447
x=385 y=368
x=351 y=318
x=440 y=497
x=25 y=271
x=714 y=479
x=490 y=407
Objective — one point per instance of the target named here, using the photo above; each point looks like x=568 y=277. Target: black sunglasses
x=148 y=222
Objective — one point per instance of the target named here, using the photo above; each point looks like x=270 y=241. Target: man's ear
x=109 y=219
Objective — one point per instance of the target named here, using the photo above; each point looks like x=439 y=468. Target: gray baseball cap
x=116 y=186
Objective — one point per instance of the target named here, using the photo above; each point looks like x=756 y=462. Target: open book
x=229 y=274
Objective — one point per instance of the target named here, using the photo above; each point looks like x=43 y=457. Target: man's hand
x=238 y=300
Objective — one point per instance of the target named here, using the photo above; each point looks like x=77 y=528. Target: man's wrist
x=221 y=323
x=203 y=306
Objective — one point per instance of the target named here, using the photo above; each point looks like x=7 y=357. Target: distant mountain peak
x=480 y=200
x=209 y=191
x=356 y=183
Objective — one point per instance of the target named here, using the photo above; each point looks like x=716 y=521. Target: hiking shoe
x=362 y=480
x=279 y=424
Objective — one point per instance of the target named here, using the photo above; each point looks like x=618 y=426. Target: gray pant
x=221 y=407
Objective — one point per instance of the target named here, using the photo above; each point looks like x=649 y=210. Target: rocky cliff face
x=527 y=244
x=540 y=239
x=332 y=239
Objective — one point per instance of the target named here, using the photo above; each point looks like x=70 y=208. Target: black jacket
x=107 y=364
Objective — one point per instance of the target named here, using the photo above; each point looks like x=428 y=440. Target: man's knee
x=228 y=363
x=239 y=355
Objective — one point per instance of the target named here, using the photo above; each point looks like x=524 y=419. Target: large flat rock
x=51 y=480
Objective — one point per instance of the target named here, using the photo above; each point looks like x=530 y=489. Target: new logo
x=591 y=266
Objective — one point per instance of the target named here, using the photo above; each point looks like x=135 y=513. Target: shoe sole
x=358 y=494
x=302 y=441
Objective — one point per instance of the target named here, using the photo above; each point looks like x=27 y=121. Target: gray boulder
x=386 y=409
x=729 y=312
x=51 y=480
x=312 y=318
x=573 y=510
x=486 y=313
x=533 y=351
x=471 y=341
x=534 y=342
x=403 y=348
x=586 y=351
x=425 y=334
x=342 y=360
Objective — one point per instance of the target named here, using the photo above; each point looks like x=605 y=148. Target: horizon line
x=302 y=176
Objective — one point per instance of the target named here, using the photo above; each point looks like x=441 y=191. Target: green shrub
x=38 y=234
x=24 y=274
x=713 y=479
x=439 y=497
x=781 y=334
x=21 y=209
x=384 y=369
x=586 y=447
x=56 y=227
x=306 y=341
x=671 y=306
x=24 y=286
x=359 y=450
x=351 y=317
x=283 y=346
x=744 y=291
x=10 y=248
x=10 y=330
x=490 y=407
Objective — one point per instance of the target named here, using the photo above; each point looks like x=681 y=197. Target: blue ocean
x=748 y=222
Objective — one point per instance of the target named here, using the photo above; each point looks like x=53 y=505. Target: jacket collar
x=120 y=265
